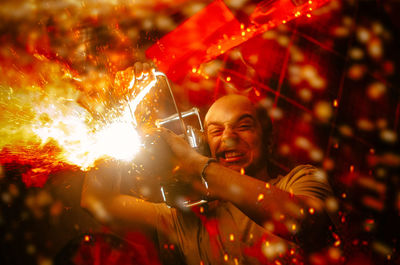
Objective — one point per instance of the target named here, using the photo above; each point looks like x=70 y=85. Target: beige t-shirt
x=222 y=234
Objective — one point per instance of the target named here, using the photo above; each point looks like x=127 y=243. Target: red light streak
x=226 y=32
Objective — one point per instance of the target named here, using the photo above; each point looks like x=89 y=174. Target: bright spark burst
x=83 y=145
x=46 y=126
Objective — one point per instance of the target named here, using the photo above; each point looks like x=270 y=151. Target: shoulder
x=305 y=180
x=299 y=173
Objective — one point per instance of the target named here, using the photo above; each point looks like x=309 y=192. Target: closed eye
x=245 y=126
x=215 y=131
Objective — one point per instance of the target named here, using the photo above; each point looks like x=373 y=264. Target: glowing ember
x=226 y=257
x=86 y=238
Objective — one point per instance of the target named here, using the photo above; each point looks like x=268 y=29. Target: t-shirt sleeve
x=168 y=239
x=306 y=180
x=165 y=222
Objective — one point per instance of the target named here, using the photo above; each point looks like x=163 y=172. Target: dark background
x=330 y=83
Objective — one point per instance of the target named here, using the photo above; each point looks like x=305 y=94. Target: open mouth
x=231 y=156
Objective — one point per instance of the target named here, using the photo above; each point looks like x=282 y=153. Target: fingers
x=142 y=69
x=138 y=67
x=146 y=68
x=167 y=135
x=153 y=130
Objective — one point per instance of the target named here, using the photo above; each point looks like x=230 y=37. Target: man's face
x=234 y=134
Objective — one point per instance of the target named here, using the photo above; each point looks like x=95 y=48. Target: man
x=250 y=218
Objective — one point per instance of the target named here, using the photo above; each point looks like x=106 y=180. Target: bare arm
x=286 y=212
x=101 y=197
x=101 y=191
x=283 y=212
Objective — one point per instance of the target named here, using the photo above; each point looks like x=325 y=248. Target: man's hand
x=140 y=69
x=186 y=162
x=126 y=81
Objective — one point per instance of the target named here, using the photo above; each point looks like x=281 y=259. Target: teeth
x=232 y=154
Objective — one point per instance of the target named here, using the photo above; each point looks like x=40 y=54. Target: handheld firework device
x=170 y=192
x=153 y=162
x=193 y=136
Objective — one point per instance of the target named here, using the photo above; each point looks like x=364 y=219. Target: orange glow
x=260 y=197
x=175 y=169
x=201 y=209
x=86 y=238
x=372 y=151
x=226 y=257
x=67 y=129
x=311 y=210
x=232 y=237
x=309 y=15
x=267 y=185
x=228 y=79
x=242 y=171
x=293 y=227
x=352 y=168
x=291 y=193
x=335 y=103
